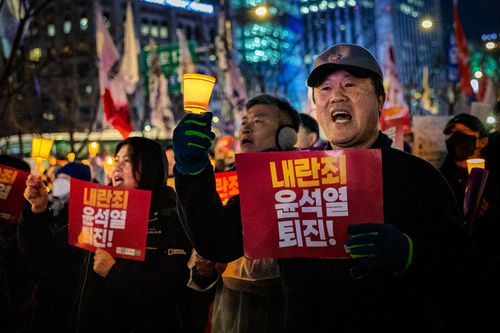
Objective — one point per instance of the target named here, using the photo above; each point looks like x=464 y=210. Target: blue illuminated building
x=371 y=23
x=269 y=47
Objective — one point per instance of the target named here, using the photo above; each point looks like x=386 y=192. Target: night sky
x=478 y=17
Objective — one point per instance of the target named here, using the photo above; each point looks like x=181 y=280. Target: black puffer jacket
x=342 y=296
x=142 y=296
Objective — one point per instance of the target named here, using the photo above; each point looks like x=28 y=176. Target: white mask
x=60 y=187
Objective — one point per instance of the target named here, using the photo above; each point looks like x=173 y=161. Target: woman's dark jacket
x=140 y=296
x=341 y=295
x=43 y=240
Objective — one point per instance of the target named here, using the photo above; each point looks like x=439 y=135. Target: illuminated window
x=35 y=54
x=67 y=27
x=154 y=30
x=51 y=29
x=163 y=31
x=84 y=23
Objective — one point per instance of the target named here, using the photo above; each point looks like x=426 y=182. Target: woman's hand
x=36 y=194
x=103 y=261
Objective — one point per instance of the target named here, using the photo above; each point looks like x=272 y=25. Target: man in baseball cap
x=354 y=75
x=411 y=273
x=348 y=91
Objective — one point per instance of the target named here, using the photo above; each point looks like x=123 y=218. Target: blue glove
x=380 y=245
x=192 y=139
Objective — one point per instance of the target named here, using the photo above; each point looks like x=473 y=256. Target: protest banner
x=226 y=184
x=12 y=185
x=104 y=217
x=429 y=140
x=298 y=204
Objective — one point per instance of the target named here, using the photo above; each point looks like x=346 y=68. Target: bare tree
x=27 y=10
x=45 y=95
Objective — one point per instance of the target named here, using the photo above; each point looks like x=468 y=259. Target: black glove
x=192 y=139
x=380 y=245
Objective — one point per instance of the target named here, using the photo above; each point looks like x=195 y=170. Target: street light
x=490 y=45
x=426 y=24
x=261 y=11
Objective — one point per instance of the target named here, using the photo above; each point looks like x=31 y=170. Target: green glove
x=380 y=245
x=192 y=139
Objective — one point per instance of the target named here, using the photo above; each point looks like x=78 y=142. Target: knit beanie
x=76 y=170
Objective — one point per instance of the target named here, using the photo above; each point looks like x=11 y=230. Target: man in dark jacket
x=410 y=274
x=250 y=297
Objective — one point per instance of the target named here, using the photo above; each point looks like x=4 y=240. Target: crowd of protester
x=422 y=270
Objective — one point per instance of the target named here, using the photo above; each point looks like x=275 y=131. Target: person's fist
x=192 y=140
x=36 y=194
x=103 y=261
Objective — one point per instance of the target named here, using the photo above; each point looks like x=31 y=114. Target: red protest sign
x=226 y=184
x=110 y=218
x=298 y=204
x=12 y=185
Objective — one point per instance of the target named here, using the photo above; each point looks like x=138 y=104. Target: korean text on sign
x=317 y=207
x=7 y=178
x=226 y=184
x=12 y=185
x=103 y=212
x=104 y=217
x=306 y=200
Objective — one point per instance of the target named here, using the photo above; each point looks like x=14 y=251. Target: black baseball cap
x=470 y=121
x=353 y=58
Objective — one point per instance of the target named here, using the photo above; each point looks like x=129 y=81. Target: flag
x=234 y=84
x=129 y=68
x=159 y=101
x=463 y=53
x=185 y=61
x=395 y=110
x=392 y=84
x=425 y=101
x=114 y=99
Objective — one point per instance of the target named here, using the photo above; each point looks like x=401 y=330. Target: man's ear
x=380 y=102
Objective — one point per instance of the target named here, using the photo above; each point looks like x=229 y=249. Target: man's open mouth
x=341 y=117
